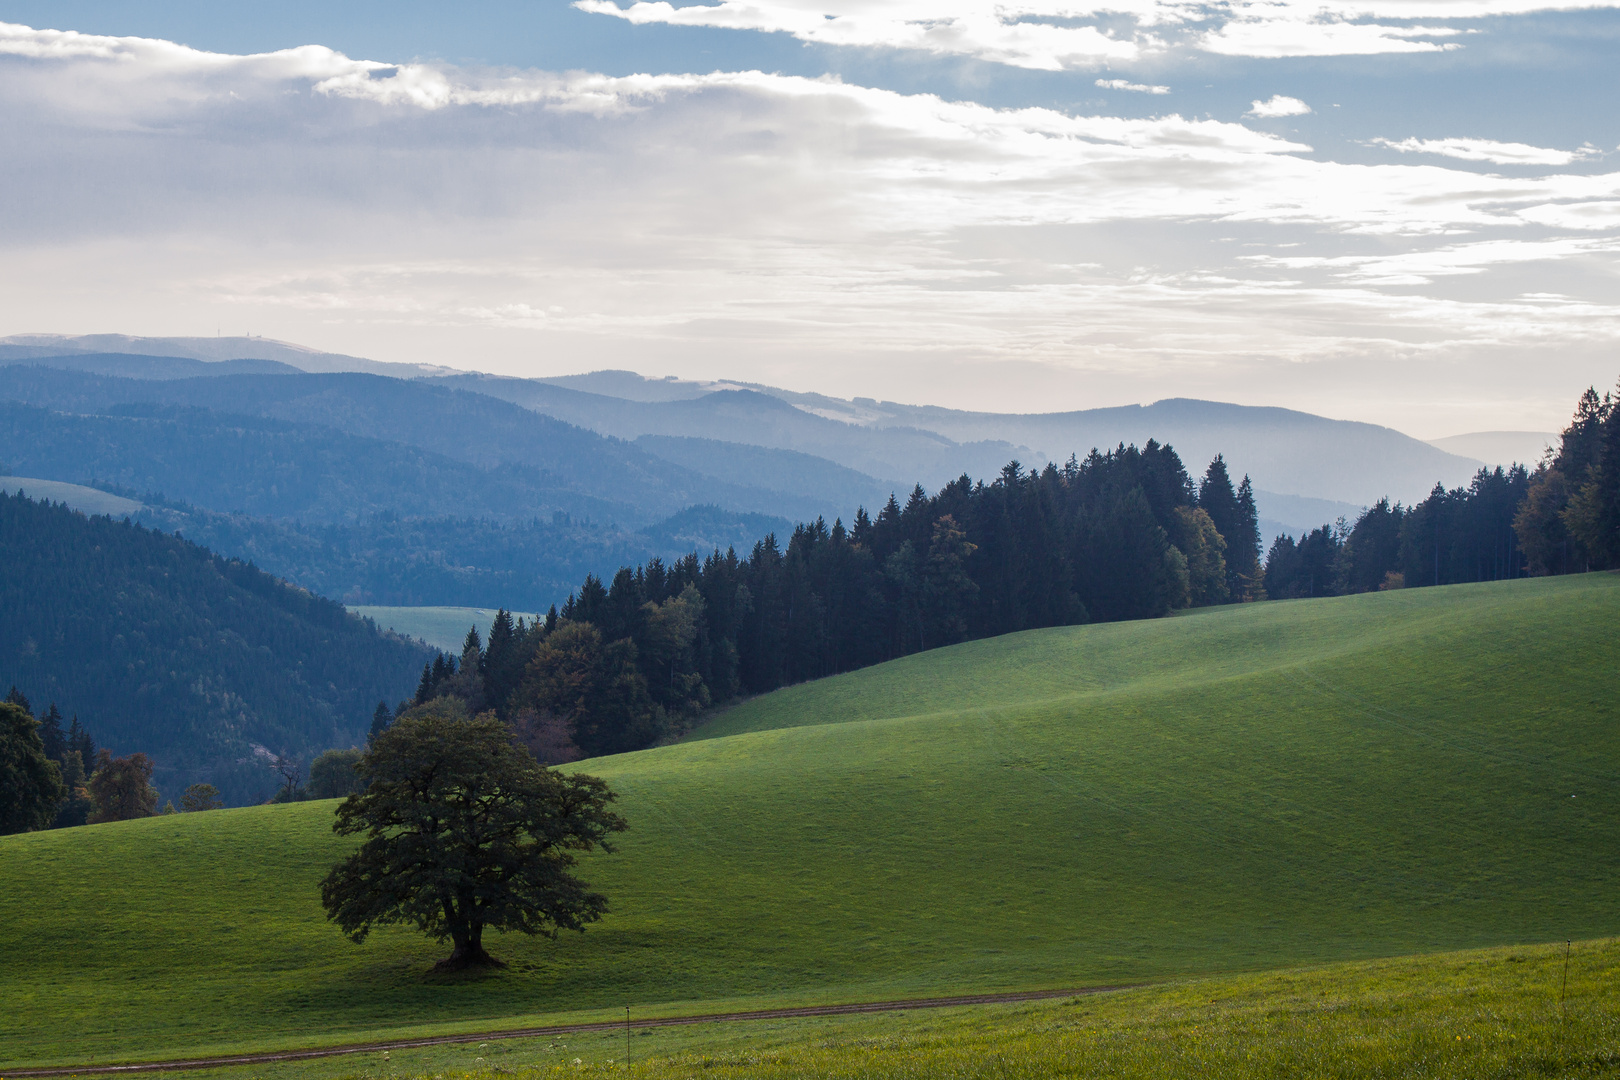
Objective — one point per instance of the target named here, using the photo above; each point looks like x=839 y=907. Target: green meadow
x=1235 y=790
x=1508 y=1012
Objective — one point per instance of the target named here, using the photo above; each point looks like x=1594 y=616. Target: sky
x=1399 y=211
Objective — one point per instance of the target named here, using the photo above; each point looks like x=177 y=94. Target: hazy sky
x=1404 y=211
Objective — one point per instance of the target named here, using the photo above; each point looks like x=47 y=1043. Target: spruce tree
x=424 y=688
x=1245 y=578
x=1217 y=499
x=80 y=742
x=1593 y=513
x=52 y=735
x=76 y=806
x=380 y=719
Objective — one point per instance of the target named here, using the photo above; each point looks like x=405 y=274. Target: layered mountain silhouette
x=618 y=446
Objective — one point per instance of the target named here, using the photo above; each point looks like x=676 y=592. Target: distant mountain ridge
x=214 y=349
x=864 y=445
x=540 y=463
x=1285 y=451
x=1363 y=463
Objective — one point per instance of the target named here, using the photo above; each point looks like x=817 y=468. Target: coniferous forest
x=1124 y=534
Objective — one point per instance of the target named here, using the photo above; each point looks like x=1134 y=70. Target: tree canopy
x=121 y=788
x=466 y=831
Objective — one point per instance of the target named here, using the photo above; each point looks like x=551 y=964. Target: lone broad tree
x=464 y=830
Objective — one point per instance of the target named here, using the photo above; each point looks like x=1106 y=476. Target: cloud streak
x=1497 y=153
x=1135 y=88
x=1054 y=35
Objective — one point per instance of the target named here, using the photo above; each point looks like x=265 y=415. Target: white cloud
x=1497 y=153
x=1284 y=30
x=1059 y=34
x=1138 y=88
x=745 y=225
x=1276 y=106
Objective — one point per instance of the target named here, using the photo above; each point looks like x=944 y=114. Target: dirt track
x=559 y=1029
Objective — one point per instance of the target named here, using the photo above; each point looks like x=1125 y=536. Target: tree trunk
x=468 y=950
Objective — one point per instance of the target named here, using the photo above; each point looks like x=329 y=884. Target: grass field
x=1236 y=790
x=1497 y=1012
x=442 y=627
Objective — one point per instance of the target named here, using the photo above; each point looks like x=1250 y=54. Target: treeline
x=1120 y=535
x=1562 y=518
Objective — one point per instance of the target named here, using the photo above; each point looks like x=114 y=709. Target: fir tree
x=1245 y=578
x=52 y=735
x=380 y=719
x=80 y=742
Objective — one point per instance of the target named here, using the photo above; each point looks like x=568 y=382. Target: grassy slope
x=1238 y=789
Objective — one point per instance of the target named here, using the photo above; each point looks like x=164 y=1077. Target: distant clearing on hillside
x=442 y=627
x=78 y=497
x=1237 y=789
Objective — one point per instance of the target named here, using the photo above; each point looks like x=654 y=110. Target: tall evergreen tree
x=1218 y=499
x=76 y=805
x=1593 y=514
x=1244 y=574
x=380 y=719
x=80 y=742
x=18 y=698
x=1548 y=532
x=52 y=735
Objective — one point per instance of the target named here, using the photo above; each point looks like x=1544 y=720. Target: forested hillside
x=160 y=646
x=386 y=558
x=273 y=468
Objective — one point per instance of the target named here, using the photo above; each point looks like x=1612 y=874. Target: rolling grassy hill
x=1235 y=789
